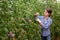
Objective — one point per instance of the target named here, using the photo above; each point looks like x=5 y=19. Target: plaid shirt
x=46 y=25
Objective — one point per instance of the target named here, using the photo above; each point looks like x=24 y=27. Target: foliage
x=13 y=14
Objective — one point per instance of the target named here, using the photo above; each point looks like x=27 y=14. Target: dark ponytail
x=49 y=11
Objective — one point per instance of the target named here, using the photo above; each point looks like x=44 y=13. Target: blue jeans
x=46 y=37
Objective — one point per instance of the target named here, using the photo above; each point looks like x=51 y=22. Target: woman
x=45 y=22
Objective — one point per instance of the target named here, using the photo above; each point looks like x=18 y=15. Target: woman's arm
x=44 y=25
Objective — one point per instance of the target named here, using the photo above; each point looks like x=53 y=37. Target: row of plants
x=17 y=19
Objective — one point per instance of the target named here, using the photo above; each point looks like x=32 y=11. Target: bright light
x=58 y=1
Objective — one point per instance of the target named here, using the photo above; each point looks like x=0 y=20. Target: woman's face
x=46 y=13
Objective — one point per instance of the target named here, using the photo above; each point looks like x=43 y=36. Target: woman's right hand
x=36 y=14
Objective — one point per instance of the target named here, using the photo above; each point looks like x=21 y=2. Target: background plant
x=13 y=14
